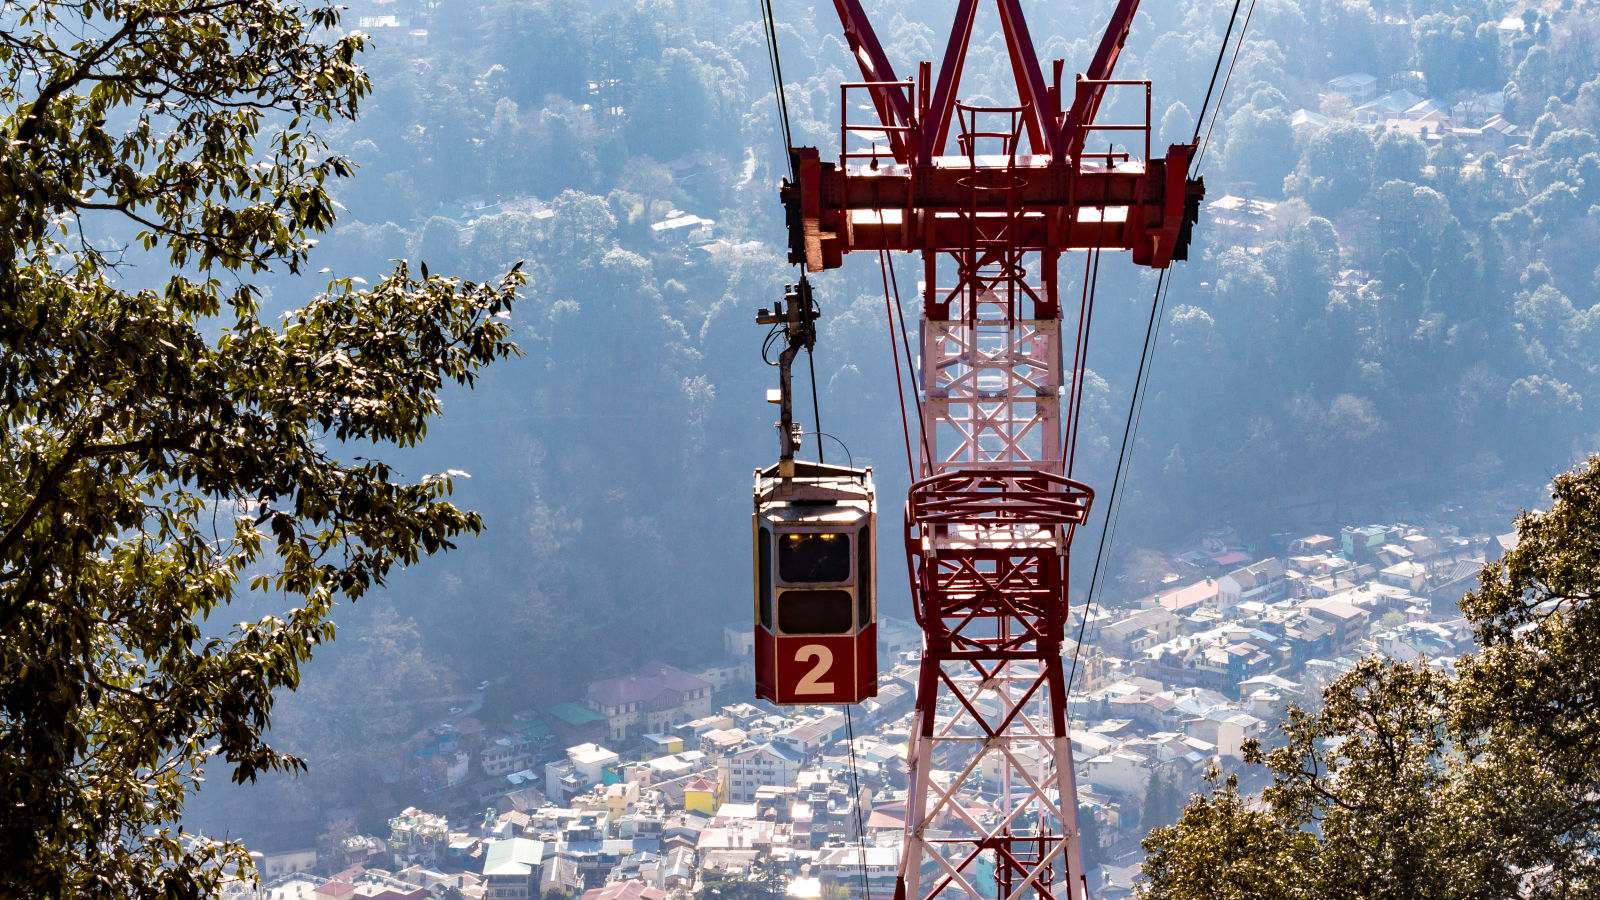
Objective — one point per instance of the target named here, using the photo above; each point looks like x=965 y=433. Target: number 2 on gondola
x=811 y=682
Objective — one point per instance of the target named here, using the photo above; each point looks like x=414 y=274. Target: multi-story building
x=508 y=753
x=1131 y=637
x=808 y=737
x=743 y=771
x=848 y=864
x=511 y=869
x=415 y=834
x=1346 y=618
x=655 y=698
x=1265 y=581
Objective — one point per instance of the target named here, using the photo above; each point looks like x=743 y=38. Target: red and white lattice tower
x=992 y=808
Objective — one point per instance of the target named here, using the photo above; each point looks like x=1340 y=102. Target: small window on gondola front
x=814 y=558
x=764 y=576
x=864 y=577
x=815 y=612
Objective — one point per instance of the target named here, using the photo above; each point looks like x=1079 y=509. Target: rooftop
x=513 y=857
x=625 y=890
x=653 y=679
x=1189 y=596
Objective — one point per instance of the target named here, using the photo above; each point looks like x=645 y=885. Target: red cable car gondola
x=815 y=588
x=815 y=599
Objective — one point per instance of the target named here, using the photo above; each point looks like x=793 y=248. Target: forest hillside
x=1391 y=296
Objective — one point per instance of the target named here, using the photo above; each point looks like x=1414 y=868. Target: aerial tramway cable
x=855 y=788
x=1080 y=351
x=769 y=26
x=899 y=308
x=1118 y=481
x=816 y=412
x=768 y=21
x=1222 y=50
x=899 y=386
x=891 y=307
x=849 y=719
x=1243 y=29
x=1152 y=330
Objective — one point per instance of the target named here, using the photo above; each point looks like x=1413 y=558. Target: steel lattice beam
x=992 y=809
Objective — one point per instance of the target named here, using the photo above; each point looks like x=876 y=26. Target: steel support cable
x=1222 y=51
x=1080 y=364
x=916 y=394
x=1069 y=438
x=894 y=348
x=769 y=25
x=1115 y=514
x=1152 y=328
x=816 y=405
x=1243 y=30
x=775 y=64
x=1140 y=379
x=855 y=788
x=1080 y=358
x=1080 y=350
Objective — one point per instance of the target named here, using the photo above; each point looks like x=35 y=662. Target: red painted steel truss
x=992 y=807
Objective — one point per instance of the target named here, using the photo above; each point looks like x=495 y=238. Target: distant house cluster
x=654 y=777
x=1477 y=120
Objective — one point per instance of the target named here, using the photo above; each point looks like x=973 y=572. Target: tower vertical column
x=992 y=810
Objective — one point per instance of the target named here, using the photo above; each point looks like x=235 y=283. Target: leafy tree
x=1260 y=148
x=671 y=89
x=1090 y=839
x=1177 y=123
x=1455 y=55
x=1162 y=800
x=1372 y=771
x=1527 y=698
x=1398 y=155
x=1411 y=783
x=440 y=243
x=356 y=710
x=164 y=447
x=1225 y=849
x=1337 y=168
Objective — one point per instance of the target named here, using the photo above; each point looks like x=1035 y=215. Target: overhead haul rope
x=1152 y=329
x=816 y=410
x=1222 y=50
x=855 y=787
x=849 y=724
x=1118 y=482
x=899 y=386
x=769 y=25
x=1239 y=45
x=1080 y=351
x=911 y=372
x=890 y=307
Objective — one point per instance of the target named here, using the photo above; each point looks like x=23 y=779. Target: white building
x=745 y=770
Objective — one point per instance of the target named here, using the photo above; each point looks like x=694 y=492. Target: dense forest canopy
x=1402 y=313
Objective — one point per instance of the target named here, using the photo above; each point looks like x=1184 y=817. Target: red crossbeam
x=999 y=498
